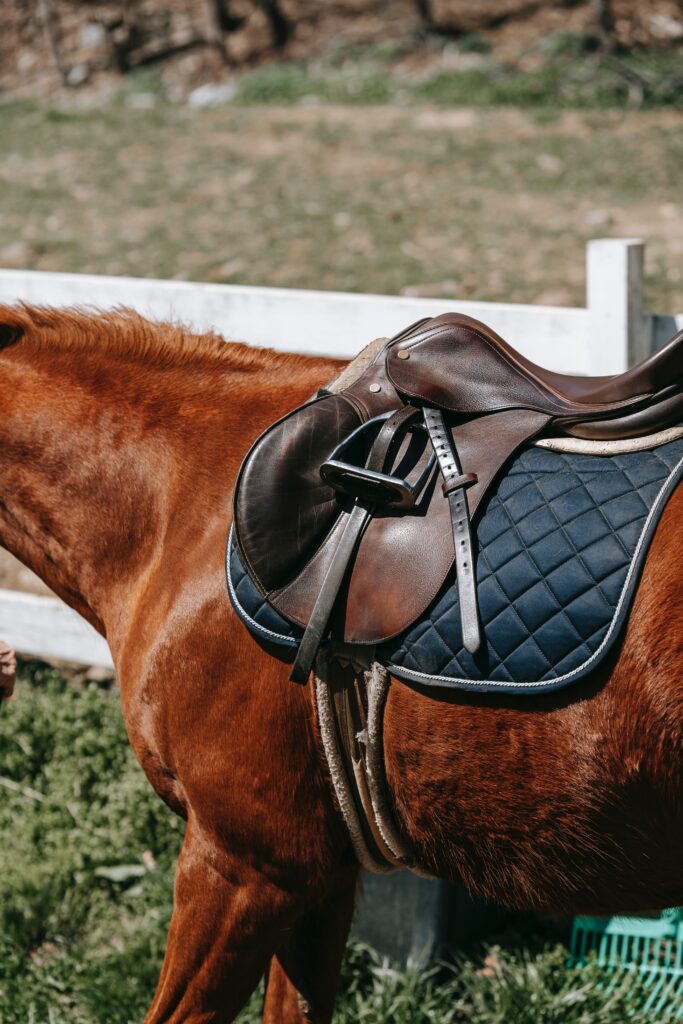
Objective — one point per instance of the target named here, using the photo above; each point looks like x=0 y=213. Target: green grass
x=86 y=891
x=513 y=987
x=89 y=853
x=567 y=80
x=495 y=204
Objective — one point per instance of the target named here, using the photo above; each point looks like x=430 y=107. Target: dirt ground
x=466 y=203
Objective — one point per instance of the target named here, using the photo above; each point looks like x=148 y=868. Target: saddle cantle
x=350 y=512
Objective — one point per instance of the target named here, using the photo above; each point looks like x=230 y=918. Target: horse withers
x=120 y=443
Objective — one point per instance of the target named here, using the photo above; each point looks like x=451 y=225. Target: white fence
x=609 y=334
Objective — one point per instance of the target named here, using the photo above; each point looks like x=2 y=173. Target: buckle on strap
x=464 y=480
x=454 y=487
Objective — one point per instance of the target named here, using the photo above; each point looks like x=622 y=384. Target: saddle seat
x=338 y=517
x=460 y=365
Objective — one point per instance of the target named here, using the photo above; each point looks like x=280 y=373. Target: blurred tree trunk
x=213 y=30
x=424 y=9
x=50 y=27
x=279 y=25
x=605 y=22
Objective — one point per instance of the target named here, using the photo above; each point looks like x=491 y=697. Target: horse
x=120 y=442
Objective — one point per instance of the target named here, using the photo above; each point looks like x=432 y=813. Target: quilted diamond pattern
x=252 y=608
x=556 y=543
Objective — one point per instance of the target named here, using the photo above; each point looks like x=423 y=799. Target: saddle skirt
x=560 y=543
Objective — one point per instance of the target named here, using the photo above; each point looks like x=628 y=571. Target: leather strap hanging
x=357 y=518
x=351 y=690
x=454 y=486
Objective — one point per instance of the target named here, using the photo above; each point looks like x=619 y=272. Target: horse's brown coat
x=119 y=445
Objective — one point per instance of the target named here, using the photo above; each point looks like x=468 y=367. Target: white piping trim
x=580 y=446
x=243 y=614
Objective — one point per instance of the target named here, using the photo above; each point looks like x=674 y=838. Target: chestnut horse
x=120 y=441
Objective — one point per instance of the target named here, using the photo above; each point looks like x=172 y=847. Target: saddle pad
x=560 y=543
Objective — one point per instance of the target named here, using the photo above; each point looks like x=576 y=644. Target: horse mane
x=125 y=334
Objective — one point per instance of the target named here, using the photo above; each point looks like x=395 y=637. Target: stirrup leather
x=454 y=486
x=373 y=488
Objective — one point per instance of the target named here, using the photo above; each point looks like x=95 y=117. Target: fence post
x=614 y=297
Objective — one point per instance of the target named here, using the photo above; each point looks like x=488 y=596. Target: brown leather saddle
x=351 y=511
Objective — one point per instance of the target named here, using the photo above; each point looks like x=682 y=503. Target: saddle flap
x=283 y=508
x=289 y=521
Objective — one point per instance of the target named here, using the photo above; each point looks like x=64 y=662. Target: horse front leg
x=227 y=922
x=304 y=974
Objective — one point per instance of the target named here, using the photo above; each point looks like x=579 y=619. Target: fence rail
x=609 y=334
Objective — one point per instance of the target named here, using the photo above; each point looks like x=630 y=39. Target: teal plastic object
x=649 y=947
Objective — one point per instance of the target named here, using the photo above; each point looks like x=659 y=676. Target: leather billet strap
x=356 y=520
x=454 y=487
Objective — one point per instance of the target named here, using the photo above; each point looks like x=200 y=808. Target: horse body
x=120 y=442
x=568 y=801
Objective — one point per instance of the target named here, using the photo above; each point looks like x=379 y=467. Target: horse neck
x=104 y=462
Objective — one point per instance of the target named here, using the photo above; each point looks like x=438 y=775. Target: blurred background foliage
x=419 y=147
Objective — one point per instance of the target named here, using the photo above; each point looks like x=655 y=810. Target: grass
x=86 y=892
x=488 y=203
x=567 y=80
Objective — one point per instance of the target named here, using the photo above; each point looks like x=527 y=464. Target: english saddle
x=350 y=512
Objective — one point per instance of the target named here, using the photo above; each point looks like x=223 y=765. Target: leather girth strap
x=350 y=700
x=357 y=518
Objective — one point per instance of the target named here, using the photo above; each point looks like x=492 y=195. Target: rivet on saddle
x=351 y=511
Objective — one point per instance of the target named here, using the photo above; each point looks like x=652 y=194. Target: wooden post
x=619 y=334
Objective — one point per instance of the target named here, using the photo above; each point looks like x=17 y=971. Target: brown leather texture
x=283 y=509
x=403 y=560
x=665 y=411
x=460 y=364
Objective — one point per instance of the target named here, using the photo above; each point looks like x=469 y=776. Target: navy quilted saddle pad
x=560 y=543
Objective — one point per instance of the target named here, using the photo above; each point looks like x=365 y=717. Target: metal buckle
x=368 y=485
